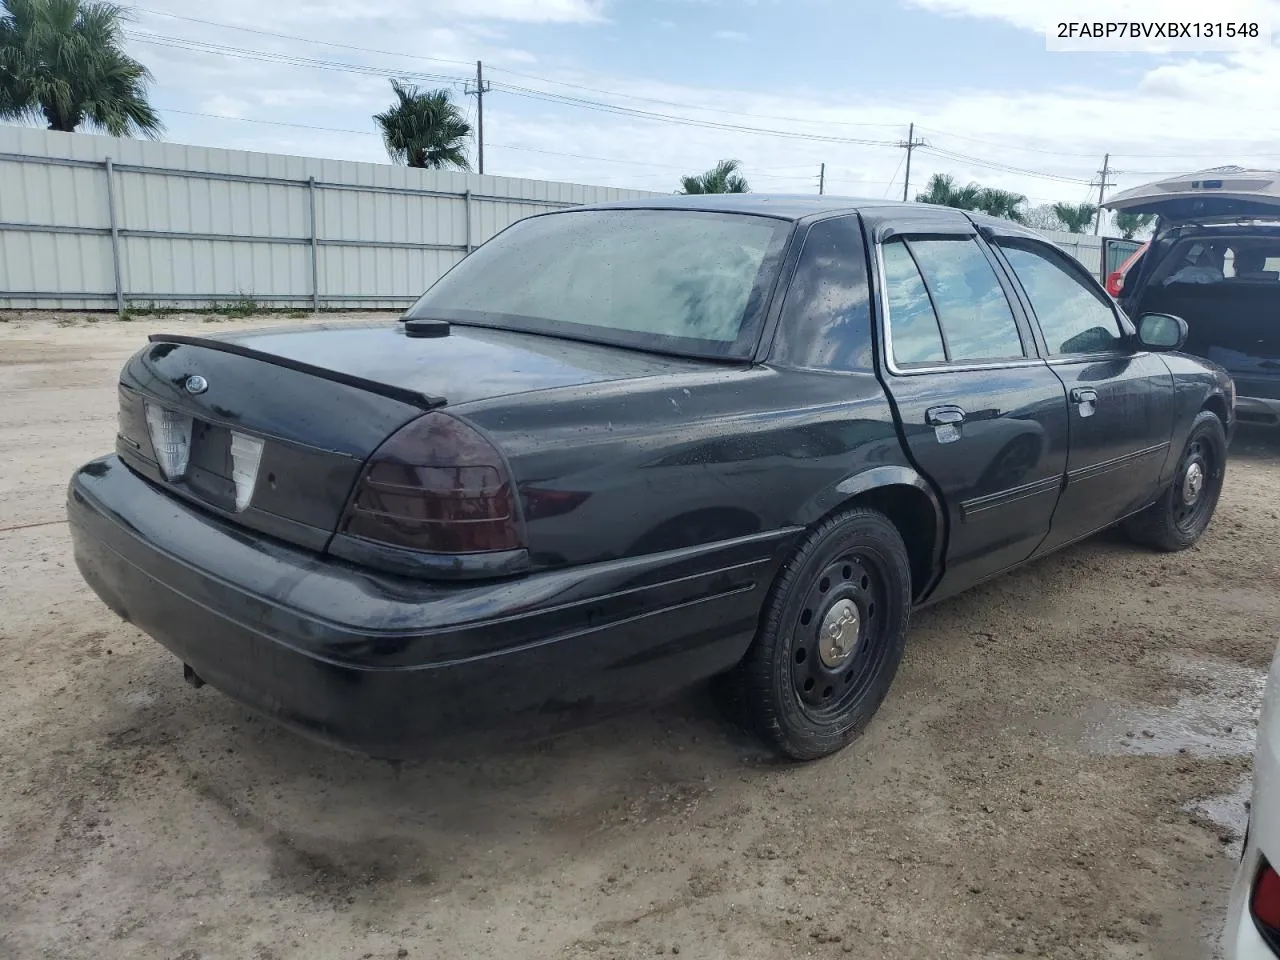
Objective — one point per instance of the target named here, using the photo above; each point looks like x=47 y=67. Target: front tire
x=831 y=636
x=1183 y=512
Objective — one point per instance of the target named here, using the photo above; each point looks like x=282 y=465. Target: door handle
x=944 y=416
x=1084 y=395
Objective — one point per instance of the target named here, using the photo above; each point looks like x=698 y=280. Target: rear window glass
x=676 y=280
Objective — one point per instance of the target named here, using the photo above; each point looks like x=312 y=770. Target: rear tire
x=1183 y=512
x=831 y=636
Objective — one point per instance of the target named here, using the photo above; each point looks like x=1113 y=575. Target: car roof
x=801 y=206
x=782 y=206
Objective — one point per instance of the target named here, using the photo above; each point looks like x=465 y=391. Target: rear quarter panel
x=1196 y=384
x=618 y=470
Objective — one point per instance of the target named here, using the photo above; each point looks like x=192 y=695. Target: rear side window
x=1074 y=317
x=946 y=303
x=977 y=321
x=826 y=318
x=913 y=326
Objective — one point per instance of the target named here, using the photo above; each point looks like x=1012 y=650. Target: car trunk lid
x=271 y=429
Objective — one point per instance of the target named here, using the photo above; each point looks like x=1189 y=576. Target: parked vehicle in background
x=621 y=449
x=1214 y=260
x=1253 y=918
x=1115 y=278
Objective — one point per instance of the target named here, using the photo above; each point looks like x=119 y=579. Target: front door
x=1119 y=400
x=984 y=419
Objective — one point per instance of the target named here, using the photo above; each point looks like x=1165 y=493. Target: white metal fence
x=99 y=223
x=92 y=222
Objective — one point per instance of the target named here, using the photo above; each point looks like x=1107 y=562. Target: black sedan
x=624 y=448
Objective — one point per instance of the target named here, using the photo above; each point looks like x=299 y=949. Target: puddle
x=1220 y=720
x=1230 y=811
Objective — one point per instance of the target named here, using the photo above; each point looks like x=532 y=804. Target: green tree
x=1076 y=217
x=945 y=192
x=424 y=129
x=61 y=60
x=1001 y=203
x=1130 y=224
x=722 y=178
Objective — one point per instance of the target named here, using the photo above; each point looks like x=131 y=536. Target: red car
x=1115 y=279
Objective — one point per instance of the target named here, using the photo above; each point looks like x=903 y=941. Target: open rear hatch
x=1222 y=193
x=1233 y=316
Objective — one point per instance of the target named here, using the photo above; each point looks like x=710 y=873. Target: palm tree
x=1076 y=217
x=722 y=178
x=1002 y=203
x=61 y=60
x=424 y=129
x=1131 y=223
x=945 y=192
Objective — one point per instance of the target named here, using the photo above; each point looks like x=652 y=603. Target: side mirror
x=1161 y=331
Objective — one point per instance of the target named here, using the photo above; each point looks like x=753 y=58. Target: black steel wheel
x=831 y=636
x=1183 y=512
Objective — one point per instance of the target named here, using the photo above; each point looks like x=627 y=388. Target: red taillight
x=438 y=486
x=1115 y=283
x=1265 y=902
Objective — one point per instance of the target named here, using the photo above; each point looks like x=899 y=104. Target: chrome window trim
x=910 y=370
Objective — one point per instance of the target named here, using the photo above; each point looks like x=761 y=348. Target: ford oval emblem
x=197 y=384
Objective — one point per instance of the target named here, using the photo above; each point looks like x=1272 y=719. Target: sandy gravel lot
x=1058 y=770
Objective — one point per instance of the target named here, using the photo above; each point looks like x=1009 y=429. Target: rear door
x=983 y=417
x=1120 y=399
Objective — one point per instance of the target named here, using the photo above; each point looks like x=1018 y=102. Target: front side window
x=826 y=318
x=675 y=280
x=1074 y=317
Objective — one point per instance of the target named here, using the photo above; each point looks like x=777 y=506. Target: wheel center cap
x=1192 y=482
x=839 y=633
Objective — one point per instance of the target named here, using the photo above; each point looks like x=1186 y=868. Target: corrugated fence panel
x=198 y=225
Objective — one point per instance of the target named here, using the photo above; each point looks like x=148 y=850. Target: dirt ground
x=1059 y=769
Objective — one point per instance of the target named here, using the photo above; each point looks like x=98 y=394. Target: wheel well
x=1217 y=406
x=911 y=511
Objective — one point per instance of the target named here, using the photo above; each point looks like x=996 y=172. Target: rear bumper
x=1258 y=410
x=383 y=664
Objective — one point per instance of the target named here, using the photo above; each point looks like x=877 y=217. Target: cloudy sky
x=633 y=93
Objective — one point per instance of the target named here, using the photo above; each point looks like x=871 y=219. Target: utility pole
x=1102 y=186
x=480 y=90
x=822 y=179
x=910 y=144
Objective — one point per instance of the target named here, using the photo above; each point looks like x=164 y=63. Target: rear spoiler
x=412 y=397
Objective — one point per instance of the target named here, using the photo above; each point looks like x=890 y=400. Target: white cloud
x=528 y=11
x=1193 y=112
x=1036 y=14
x=737 y=36
x=223 y=106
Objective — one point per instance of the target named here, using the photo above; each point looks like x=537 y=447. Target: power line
x=290 y=36
x=1006 y=168
x=767 y=173
x=1006 y=146
x=895 y=175
x=562 y=99
x=517 y=73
